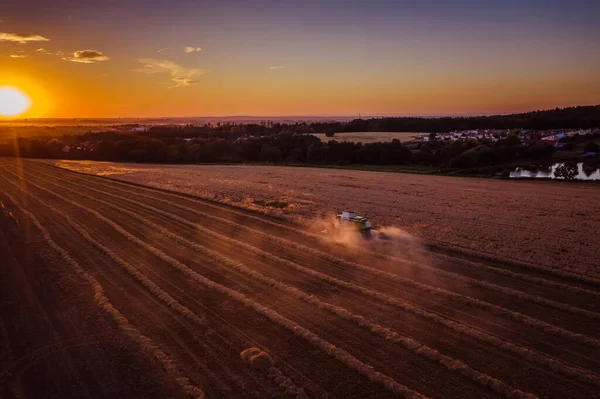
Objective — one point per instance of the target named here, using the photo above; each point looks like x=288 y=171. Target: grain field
x=143 y=292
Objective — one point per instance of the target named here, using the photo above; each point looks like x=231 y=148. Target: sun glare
x=13 y=102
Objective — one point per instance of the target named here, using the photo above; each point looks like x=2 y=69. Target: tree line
x=583 y=117
x=290 y=143
x=289 y=148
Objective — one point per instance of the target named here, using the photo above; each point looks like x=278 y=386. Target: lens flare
x=13 y=102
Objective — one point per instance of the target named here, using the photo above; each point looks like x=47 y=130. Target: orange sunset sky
x=129 y=58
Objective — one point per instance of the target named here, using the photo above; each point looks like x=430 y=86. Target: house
x=579 y=132
x=531 y=137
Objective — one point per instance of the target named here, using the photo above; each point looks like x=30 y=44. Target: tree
x=591 y=147
x=567 y=171
x=297 y=155
x=466 y=160
x=317 y=153
x=173 y=154
x=425 y=149
x=330 y=133
x=270 y=153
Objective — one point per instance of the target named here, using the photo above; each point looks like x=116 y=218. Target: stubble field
x=133 y=291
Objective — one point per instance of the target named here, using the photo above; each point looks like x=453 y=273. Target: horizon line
x=292 y=116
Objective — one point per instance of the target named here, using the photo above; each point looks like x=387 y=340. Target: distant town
x=529 y=137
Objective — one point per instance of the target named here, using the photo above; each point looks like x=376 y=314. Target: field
x=112 y=289
x=543 y=223
x=369 y=137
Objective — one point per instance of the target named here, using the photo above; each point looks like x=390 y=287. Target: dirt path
x=191 y=283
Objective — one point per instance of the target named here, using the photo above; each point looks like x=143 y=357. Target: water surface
x=584 y=172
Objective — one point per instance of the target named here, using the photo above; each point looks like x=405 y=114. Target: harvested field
x=369 y=137
x=132 y=291
x=546 y=224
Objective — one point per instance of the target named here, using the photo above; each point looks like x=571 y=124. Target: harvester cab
x=359 y=223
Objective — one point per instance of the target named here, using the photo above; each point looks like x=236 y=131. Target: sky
x=134 y=58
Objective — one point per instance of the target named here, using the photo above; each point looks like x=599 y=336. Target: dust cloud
x=391 y=249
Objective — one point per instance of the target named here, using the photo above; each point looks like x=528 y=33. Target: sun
x=13 y=102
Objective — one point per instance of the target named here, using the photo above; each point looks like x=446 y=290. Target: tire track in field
x=481 y=336
x=20 y=365
x=516 y=316
x=325 y=256
x=220 y=207
x=145 y=343
x=338 y=353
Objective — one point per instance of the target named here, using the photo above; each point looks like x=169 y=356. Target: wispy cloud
x=182 y=82
x=22 y=39
x=277 y=67
x=162 y=49
x=86 y=57
x=181 y=76
x=17 y=56
x=43 y=50
x=191 y=49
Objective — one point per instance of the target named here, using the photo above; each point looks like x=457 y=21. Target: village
x=528 y=137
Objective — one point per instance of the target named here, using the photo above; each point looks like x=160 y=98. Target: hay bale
x=261 y=361
x=248 y=353
x=257 y=359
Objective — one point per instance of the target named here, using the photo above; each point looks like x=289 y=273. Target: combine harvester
x=359 y=223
